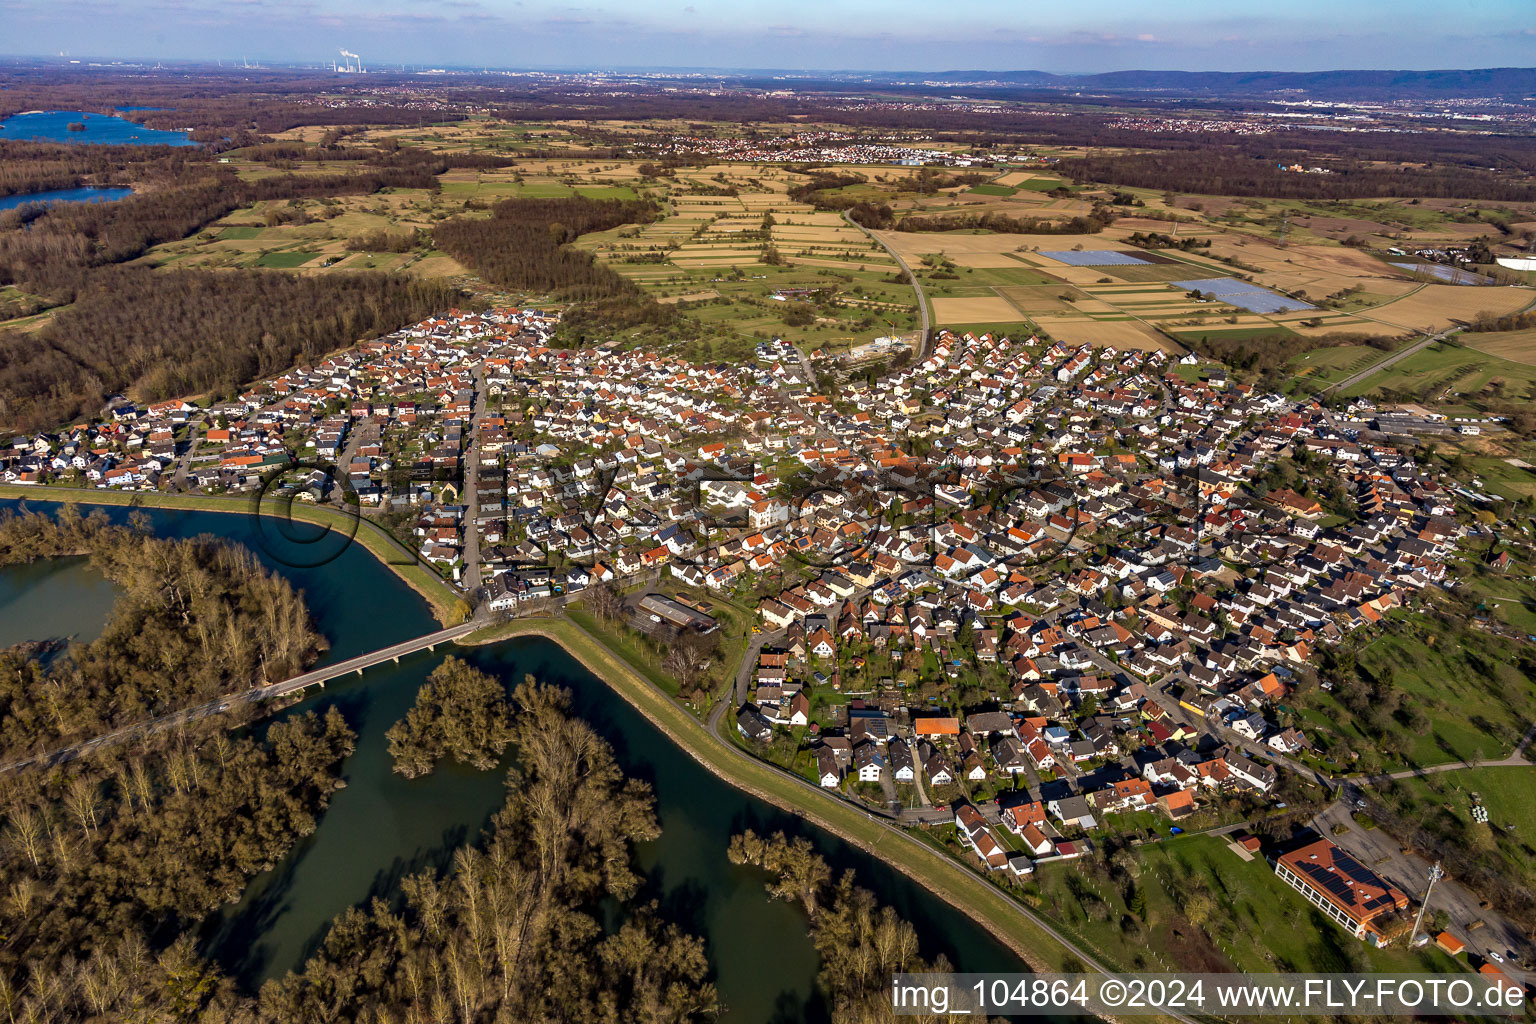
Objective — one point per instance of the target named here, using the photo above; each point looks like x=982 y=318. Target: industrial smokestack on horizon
x=347 y=66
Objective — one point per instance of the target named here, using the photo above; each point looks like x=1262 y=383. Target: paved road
x=471 y=494
x=394 y=652
x=364 y=430
x=899 y=834
x=256 y=693
x=1395 y=357
x=917 y=286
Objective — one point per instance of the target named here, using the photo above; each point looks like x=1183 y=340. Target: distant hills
x=1508 y=83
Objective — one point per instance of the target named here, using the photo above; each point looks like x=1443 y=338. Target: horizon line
x=384 y=65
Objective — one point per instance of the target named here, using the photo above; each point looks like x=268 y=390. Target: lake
x=382 y=826
x=101 y=129
x=84 y=194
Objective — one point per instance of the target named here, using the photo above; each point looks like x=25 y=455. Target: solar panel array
x=1451 y=275
x=1094 y=258
x=1244 y=295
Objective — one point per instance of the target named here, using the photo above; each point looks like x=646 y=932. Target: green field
x=239 y=233
x=1460 y=694
x=991 y=190
x=1043 y=184
x=1508 y=596
x=1500 y=478
x=286 y=260
x=1505 y=791
x=1442 y=805
x=1445 y=372
x=506 y=189
x=1326 y=365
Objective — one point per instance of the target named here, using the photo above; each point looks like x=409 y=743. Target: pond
x=100 y=129
x=84 y=194
x=382 y=826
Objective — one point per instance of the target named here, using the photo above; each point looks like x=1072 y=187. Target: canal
x=382 y=827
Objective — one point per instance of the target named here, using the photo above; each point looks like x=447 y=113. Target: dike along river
x=382 y=827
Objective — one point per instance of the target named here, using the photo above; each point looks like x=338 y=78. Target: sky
x=921 y=35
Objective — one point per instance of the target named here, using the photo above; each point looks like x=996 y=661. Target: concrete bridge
x=267 y=691
x=359 y=664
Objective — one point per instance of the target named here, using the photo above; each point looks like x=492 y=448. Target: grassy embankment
x=444 y=601
x=945 y=878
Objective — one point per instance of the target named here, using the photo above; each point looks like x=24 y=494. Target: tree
x=459 y=712
x=516 y=928
x=604 y=601
x=688 y=658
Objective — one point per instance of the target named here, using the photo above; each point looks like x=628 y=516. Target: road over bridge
x=267 y=691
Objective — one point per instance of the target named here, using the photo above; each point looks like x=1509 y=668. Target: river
x=61 y=598
x=382 y=826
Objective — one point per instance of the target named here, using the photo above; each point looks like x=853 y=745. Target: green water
x=60 y=598
x=382 y=826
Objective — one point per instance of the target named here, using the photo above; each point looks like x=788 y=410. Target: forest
x=525 y=245
x=42 y=166
x=1001 y=223
x=156 y=334
x=1238 y=172
x=460 y=712
x=62 y=241
x=111 y=862
x=521 y=927
x=197 y=619
x=861 y=944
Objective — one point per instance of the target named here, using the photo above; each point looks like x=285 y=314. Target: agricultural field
x=1437 y=306
x=275 y=235
x=1348 y=291
x=744 y=261
x=1516 y=346
x=1452 y=373
x=972 y=310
